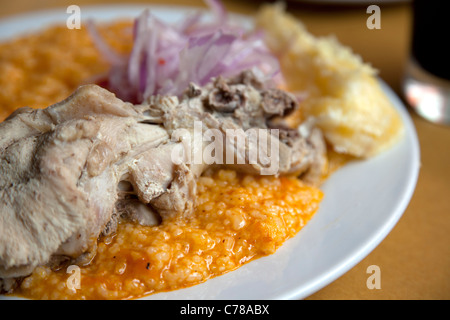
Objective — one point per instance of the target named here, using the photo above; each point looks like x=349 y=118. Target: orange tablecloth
x=414 y=259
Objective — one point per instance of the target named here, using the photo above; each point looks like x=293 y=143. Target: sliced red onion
x=110 y=55
x=166 y=57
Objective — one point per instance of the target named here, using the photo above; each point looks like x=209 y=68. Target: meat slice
x=69 y=172
x=59 y=174
x=243 y=106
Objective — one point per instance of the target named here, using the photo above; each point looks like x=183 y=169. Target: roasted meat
x=69 y=172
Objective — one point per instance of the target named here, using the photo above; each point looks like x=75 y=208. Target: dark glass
x=426 y=84
x=431 y=36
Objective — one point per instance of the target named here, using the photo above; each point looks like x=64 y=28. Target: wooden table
x=414 y=259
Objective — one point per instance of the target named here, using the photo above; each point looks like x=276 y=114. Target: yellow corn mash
x=341 y=92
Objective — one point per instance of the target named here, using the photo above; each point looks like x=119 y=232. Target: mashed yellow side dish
x=44 y=68
x=341 y=92
x=238 y=218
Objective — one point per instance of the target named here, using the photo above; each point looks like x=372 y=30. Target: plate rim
x=388 y=226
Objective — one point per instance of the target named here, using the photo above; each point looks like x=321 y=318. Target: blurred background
x=415 y=257
x=346 y=19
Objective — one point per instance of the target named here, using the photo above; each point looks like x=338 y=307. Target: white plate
x=363 y=201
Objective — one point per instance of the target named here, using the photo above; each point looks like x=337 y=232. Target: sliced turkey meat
x=69 y=172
